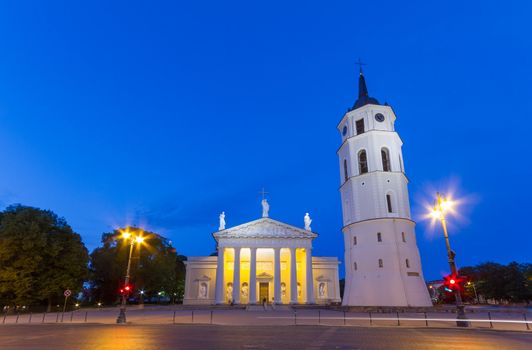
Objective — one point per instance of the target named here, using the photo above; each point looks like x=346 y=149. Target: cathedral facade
x=264 y=260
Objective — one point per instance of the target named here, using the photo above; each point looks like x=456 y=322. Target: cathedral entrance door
x=263 y=291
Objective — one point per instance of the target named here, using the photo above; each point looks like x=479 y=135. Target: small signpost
x=67 y=293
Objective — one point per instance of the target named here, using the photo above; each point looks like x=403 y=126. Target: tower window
x=407 y=263
x=360 y=126
x=355 y=240
x=381 y=264
x=403 y=236
x=346 y=174
x=401 y=164
x=355 y=266
x=362 y=162
x=389 y=203
x=385 y=155
x=379 y=237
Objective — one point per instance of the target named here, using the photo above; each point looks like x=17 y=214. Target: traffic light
x=451 y=283
x=126 y=289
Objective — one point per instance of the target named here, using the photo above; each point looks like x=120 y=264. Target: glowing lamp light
x=139 y=239
x=435 y=213
x=126 y=235
x=452 y=281
x=446 y=205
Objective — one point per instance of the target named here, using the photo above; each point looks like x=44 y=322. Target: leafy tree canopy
x=40 y=256
x=510 y=282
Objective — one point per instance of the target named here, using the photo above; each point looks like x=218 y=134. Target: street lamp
x=474 y=290
x=441 y=206
x=126 y=235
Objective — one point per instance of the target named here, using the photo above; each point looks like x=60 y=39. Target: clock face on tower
x=379 y=117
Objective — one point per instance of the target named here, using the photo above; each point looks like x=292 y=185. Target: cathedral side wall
x=326 y=280
x=200 y=281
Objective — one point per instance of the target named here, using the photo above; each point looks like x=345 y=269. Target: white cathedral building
x=268 y=260
x=264 y=260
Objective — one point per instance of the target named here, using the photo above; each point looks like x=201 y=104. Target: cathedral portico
x=263 y=260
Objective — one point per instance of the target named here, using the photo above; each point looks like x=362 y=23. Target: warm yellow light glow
x=139 y=239
x=126 y=235
x=435 y=213
x=446 y=205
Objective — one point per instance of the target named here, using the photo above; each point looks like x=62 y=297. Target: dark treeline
x=498 y=283
x=41 y=256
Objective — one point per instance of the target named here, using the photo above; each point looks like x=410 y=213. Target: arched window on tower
x=381 y=264
x=407 y=263
x=362 y=162
x=379 y=237
x=385 y=155
x=346 y=173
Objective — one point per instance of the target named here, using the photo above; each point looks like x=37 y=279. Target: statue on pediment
x=265 y=208
x=222 y=221
x=307 y=221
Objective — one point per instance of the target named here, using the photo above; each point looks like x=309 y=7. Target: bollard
x=489 y=316
x=344 y=318
x=211 y=316
x=57 y=317
x=526 y=322
x=71 y=316
x=426 y=321
x=29 y=321
x=62 y=316
x=18 y=315
x=192 y=316
x=86 y=312
x=370 y=320
x=5 y=315
x=43 y=317
x=398 y=323
x=173 y=319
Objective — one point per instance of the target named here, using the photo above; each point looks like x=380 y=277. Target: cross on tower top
x=360 y=64
x=263 y=193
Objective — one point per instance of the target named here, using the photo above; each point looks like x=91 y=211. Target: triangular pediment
x=265 y=228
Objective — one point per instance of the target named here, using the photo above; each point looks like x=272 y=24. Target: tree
x=40 y=256
x=500 y=282
x=155 y=266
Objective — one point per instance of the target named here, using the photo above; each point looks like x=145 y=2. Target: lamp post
x=132 y=239
x=474 y=290
x=440 y=207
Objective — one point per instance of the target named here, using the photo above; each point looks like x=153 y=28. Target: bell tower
x=382 y=263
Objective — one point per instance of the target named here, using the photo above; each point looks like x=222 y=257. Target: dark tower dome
x=363 y=96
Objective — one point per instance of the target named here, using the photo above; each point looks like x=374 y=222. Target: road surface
x=131 y=337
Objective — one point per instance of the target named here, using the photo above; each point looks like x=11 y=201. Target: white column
x=253 y=276
x=277 y=275
x=310 y=279
x=220 y=277
x=293 y=276
x=236 y=277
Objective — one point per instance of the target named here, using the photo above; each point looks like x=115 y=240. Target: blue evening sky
x=164 y=113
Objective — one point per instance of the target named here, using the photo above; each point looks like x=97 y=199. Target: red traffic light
x=127 y=288
x=452 y=282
